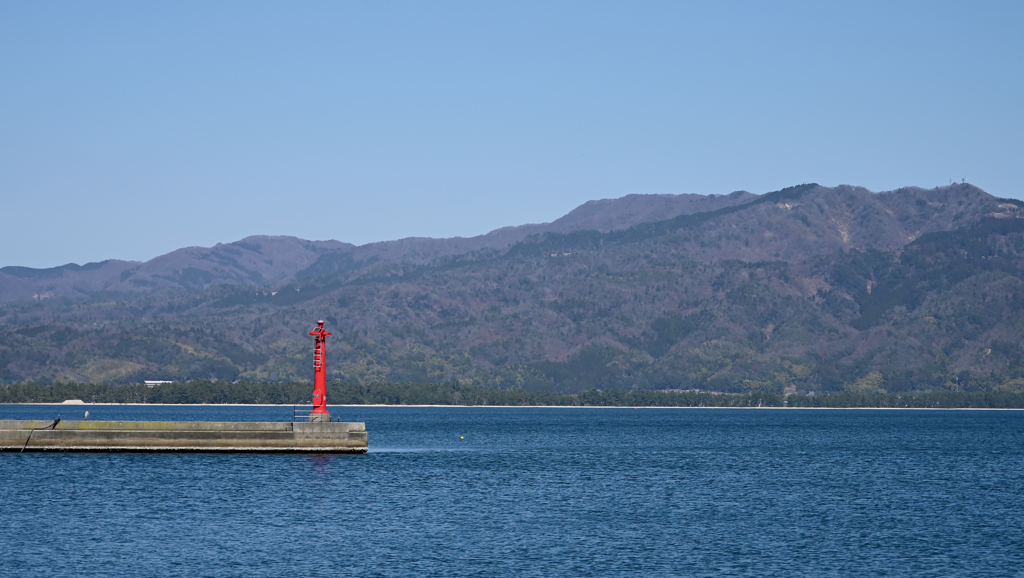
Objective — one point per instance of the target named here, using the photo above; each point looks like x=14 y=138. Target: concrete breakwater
x=182 y=436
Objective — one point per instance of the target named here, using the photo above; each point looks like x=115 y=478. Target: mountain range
x=809 y=288
x=272 y=261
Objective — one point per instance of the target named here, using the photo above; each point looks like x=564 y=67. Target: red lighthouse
x=319 y=412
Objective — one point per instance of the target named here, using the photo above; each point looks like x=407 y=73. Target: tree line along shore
x=346 y=393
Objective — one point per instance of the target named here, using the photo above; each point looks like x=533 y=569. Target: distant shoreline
x=202 y=393
x=524 y=406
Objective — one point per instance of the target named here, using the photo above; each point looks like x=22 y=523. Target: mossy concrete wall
x=196 y=436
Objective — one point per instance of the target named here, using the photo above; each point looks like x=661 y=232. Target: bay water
x=535 y=492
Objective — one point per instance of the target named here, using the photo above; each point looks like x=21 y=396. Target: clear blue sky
x=129 y=129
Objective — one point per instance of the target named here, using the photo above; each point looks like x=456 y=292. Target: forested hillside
x=806 y=289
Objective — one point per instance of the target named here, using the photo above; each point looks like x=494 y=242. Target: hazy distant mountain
x=271 y=261
x=807 y=288
x=258 y=260
x=604 y=215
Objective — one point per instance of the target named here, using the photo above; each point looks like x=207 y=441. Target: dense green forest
x=468 y=395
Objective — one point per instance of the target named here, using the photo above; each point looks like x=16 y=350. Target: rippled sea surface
x=536 y=492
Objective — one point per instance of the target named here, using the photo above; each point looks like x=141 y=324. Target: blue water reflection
x=537 y=491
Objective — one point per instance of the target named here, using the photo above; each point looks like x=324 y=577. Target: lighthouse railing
x=301 y=412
